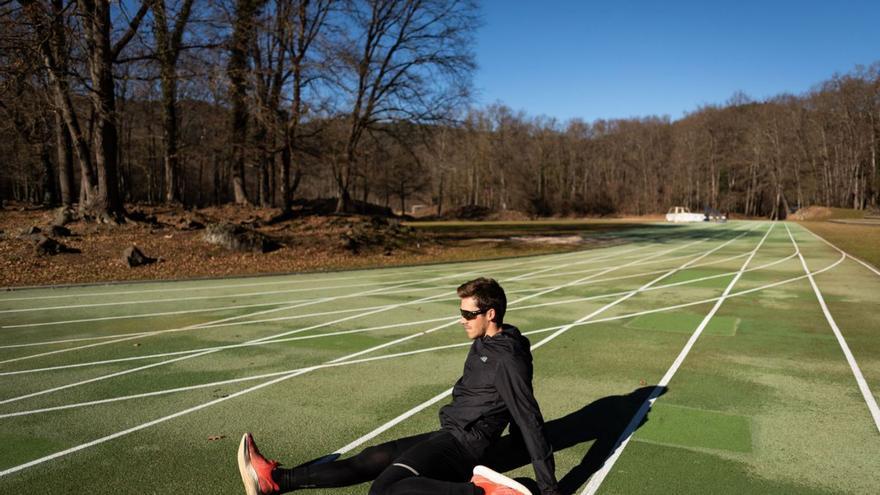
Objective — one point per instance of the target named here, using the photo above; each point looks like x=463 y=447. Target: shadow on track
x=602 y=420
x=664 y=234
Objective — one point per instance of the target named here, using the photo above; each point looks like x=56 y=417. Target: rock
x=51 y=247
x=59 y=231
x=190 y=224
x=374 y=233
x=142 y=217
x=239 y=238
x=63 y=216
x=133 y=257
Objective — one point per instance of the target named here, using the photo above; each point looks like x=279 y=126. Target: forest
x=275 y=102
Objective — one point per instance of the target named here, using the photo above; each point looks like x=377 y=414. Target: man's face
x=477 y=327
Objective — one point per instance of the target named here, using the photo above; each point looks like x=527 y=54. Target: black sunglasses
x=470 y=315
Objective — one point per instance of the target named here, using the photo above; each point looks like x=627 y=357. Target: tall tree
x=48 y=20
x=237 y=71
x=168 y=47
x=406 y=59
x=107 y=205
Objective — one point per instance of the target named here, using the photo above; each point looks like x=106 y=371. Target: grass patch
x=685 y=323
x=693 y=427
x=861 y=241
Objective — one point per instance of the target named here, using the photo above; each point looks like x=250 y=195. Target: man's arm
x=514 y=386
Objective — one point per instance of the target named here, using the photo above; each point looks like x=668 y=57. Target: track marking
x=191 y=356
x=532 y=332
x=196 y=288
x=857 y=260
x=275 y=303
x=271 y=337
x=857 y=373
x=101 y=440
x=516 y=291
x=234 y=346
x=163 y=419
x=437 y=398
x=209 y=324
x=261 y=293
x=624 y=438
x=223 y=322
x=394 y=271
x=541 y=293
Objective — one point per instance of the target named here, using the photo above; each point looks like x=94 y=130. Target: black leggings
x=430 y=463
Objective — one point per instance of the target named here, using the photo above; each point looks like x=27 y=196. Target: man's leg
x=365 y=466
x=436 y=466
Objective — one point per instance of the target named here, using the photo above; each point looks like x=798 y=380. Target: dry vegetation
x=310 y=243
x=859 y=240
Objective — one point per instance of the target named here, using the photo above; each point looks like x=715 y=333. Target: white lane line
x=579 y=282
x=210 y=324
x=225 y=347
x=543 y=292
x=492 y=266
x=230 y=381
x=610 y=279
x=271 y=337
x=574 y=300
x=394 y=325
x=101 y=440
x=437 y=398
x=276 y=303
x=191 y=356
x=860 y=379
x=148 y=424
x=622 y=441
x=291 y=279
x=532 y=332
x=577 y=272
x=253 y=294
x=857 y=260
x=194 y=298
x=224 y=321
x=169 y=361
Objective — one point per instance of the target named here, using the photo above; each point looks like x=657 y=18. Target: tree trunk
x=50 y=193
x=243 y=29
x=169 y=135
x=168 y=50
x=65 y=160
x=286 y=196
x=440 y=196
x=107 y=205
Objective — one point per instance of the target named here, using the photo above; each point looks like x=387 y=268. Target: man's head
x=483 y=305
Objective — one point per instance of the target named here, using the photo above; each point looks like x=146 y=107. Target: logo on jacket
x=484 y=358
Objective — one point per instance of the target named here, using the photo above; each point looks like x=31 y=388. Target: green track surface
x=764 y=402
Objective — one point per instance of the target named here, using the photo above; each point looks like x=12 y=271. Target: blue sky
x=625 y=58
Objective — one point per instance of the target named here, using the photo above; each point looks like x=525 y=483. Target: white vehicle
x=682 y=214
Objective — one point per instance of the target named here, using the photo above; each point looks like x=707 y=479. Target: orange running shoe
x=256 y=471
x=495 y=483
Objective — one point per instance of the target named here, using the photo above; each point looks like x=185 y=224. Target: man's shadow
x=603 y=420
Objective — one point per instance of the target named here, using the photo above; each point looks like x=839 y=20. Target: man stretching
x=494 y=390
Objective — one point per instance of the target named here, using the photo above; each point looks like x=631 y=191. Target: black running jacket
x=495 y=388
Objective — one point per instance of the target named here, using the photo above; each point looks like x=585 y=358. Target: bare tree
x=403 y=60
x=168 y=41
x=237 y=71
x=102 y=52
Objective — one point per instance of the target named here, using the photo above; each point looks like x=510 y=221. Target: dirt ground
x=173 y=236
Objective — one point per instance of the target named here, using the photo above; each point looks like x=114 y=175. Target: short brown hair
x=488 y=294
